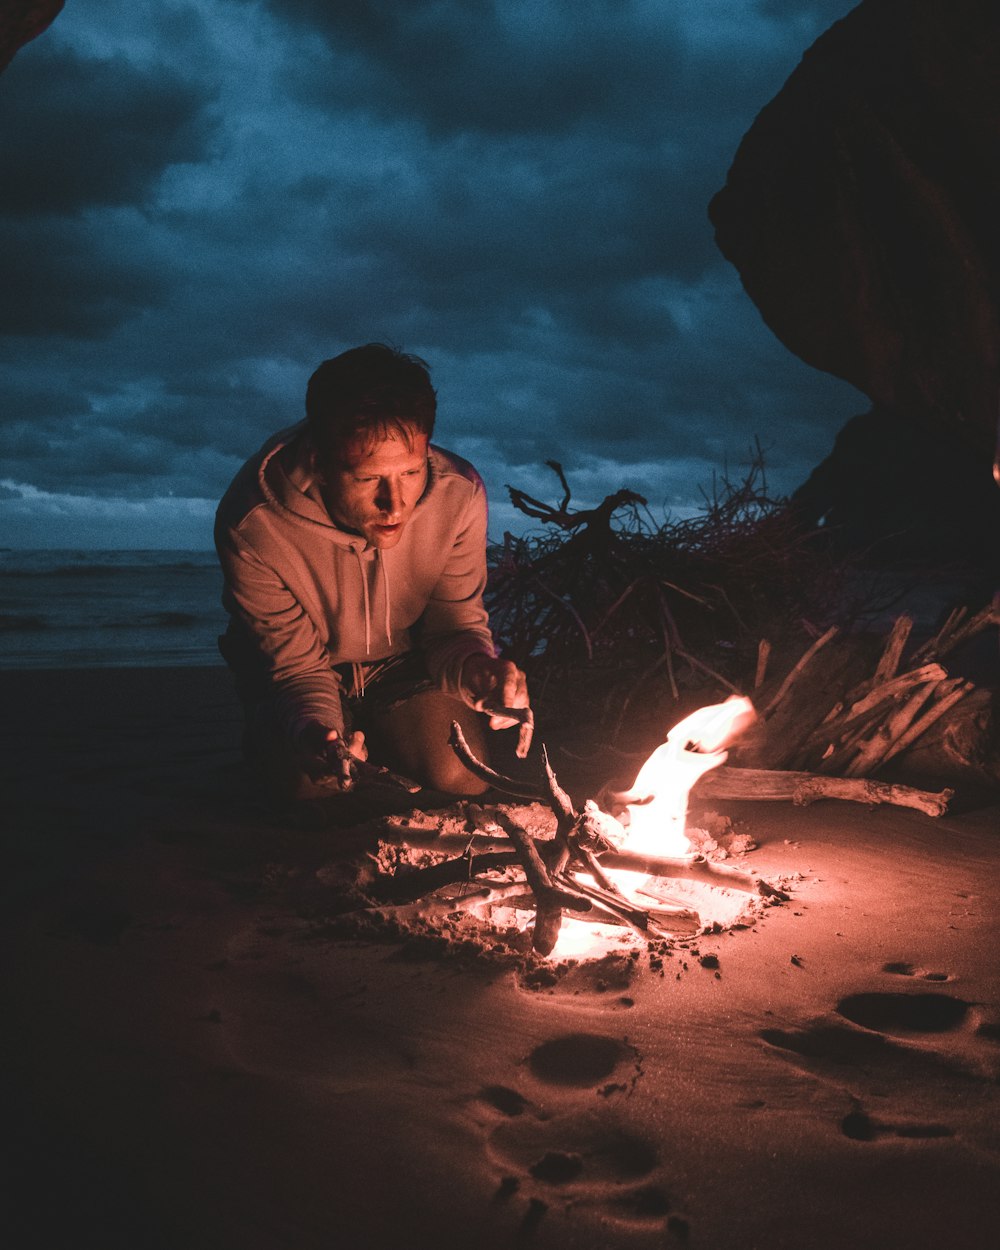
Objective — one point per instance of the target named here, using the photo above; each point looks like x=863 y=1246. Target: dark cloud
x=500 y=69
x=81 y=131
x=69 y=277
x=200 y=200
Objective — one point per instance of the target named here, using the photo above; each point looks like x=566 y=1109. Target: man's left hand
x=493 y=683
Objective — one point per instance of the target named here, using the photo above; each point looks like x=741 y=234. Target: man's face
x=375 y=486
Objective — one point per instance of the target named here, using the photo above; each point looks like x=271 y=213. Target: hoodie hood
x=288 y=480
x=305 y=596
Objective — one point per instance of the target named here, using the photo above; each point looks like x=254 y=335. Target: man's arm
x=458 y=645
x=284 y=649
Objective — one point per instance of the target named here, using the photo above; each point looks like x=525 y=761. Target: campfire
x=596 y=869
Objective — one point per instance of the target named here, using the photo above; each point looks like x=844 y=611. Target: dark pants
x=406 y=722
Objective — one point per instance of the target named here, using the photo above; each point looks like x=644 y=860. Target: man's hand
x=323 y=760
x=493 y=685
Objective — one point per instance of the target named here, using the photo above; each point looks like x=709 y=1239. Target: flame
x=658 y=811
x=695 y=745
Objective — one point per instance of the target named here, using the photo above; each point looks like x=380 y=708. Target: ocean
x=109 y=609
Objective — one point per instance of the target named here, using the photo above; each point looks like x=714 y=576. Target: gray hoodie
x=304 y=595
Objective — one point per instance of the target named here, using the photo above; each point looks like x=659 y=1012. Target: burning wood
x=571 y=871
x=555 y=884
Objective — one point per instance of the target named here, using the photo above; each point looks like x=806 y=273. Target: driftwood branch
x=804 y=788
x=793 y=676
x=519 y=789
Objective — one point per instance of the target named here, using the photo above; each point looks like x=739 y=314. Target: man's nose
x=390 y=497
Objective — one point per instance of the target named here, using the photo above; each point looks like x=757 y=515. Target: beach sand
x=194 y=1058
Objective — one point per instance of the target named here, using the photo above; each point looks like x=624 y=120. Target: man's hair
x=369 y=391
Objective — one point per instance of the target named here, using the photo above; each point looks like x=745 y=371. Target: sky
x=200 y=200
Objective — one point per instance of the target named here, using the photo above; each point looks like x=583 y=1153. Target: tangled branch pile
x=610 y=603
x=618 y=619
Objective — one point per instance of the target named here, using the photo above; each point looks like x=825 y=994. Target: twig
x=793 y=676
x=763 y=655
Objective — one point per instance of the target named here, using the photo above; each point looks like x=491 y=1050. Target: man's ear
x=314 y=464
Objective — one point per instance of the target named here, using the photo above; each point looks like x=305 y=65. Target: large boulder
x=862 y=212
x=21 y=21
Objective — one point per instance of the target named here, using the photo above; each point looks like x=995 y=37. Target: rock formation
x=862 y=213
x=21 y=21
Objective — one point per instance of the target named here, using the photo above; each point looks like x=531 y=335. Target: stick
x=793 y=676
x=409 y=886
x=962 y=632
x=693 y=868
x=525 y=718
x=763 y=655
x=893 y=652
x=804 y=788
x=519 y=789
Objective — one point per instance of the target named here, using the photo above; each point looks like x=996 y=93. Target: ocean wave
x=11 y=623
x=166 y=619
x=104 y=570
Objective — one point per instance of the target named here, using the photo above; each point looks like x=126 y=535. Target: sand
x=197 y=1056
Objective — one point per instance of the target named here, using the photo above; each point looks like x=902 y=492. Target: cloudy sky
x=202 y=199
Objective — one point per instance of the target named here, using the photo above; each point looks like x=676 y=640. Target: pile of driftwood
x=619 y=619
x=831 y=718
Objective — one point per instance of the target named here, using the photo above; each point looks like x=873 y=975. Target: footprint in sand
x=904 y=1013
x=580 y=1059
x=914 y=1054
x=584 y=1156
x=859 y=1126
x=902 y=969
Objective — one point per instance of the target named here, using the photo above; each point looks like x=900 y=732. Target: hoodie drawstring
x=385 y=588
x=359 y=669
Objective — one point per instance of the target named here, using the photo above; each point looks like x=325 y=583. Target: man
x=354 y=556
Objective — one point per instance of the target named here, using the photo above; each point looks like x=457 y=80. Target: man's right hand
x=326 y=762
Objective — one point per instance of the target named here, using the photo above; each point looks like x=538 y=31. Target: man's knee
x=417 y=736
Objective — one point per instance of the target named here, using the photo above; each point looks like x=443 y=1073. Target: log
x=879 y=746
x=764 y=784
x=894 y=688
x=893 y=652
x=944 y=704
x=843 y=732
